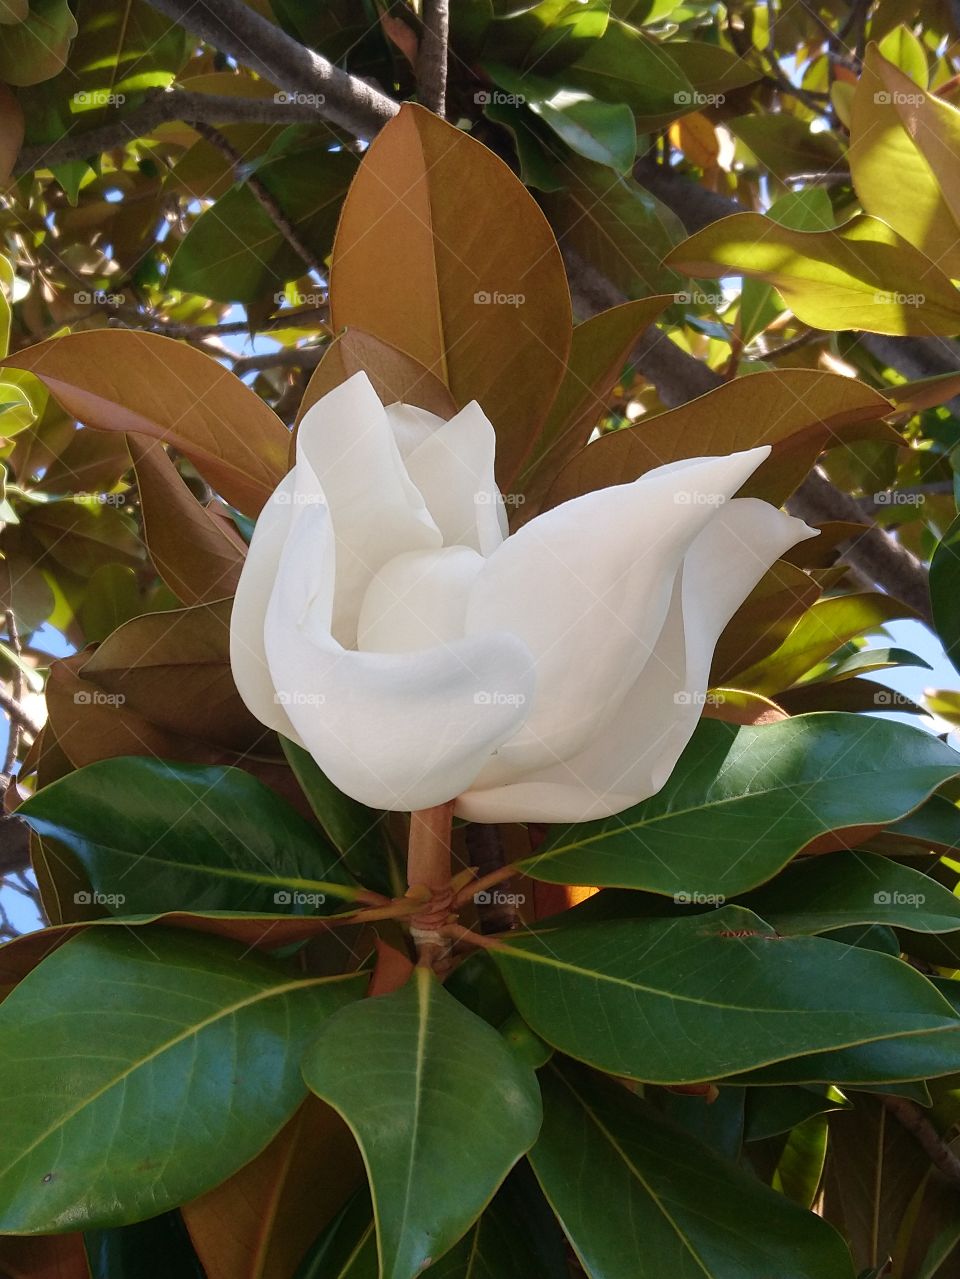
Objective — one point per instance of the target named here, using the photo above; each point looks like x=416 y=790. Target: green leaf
x=36 y=48
x=881 y=1063
x=357 y=833
x=136 y=1076
x=234 y=251
x=619 y=227
x=155 y=836
x=626 y=66
x=111 y=598
x=785 y=144
x=822 y=893
x=945 y=591
x=742 y=801
x=829 y=624
x=600 y=131
x=640 y=1198
x=860 y=276
x=684 y=1000
x=414 y=1074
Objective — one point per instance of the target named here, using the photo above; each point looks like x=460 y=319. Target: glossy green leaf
x=414 y=1074
x=626 y=66
x=682 y=1000
x=860 y=276
x=234 y=251
x=155 y=836
x=135 y=1076
x=607 y=1159
x=600 y=131
x=818 y=894
x=880 y=1063
x=36 y=48
x=744 y=800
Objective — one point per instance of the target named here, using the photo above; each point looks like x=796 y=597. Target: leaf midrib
x=629 y=827
x=345 y=891
x=187 y=1033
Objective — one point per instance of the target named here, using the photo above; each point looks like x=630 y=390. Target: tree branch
x=236 y=29
x=432 y=60
x=162 y=107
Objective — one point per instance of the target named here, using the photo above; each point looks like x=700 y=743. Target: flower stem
x=429 y=867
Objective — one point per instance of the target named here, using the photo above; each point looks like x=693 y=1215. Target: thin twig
x=915 y=1121
x=261 y=194
x=432 y=59
x=13 y=736
x=16 y=711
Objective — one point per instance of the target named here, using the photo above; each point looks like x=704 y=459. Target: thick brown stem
x=429 y=868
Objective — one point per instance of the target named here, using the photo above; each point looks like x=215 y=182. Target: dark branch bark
x=236 y=29
x=161 y=108
x=432 y=59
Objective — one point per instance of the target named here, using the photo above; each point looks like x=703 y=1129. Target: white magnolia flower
x=386 y=622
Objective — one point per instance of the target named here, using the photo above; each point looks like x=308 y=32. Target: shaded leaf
x=605 y=1155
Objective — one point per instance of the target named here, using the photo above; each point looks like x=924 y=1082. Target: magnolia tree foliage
x=659 y=975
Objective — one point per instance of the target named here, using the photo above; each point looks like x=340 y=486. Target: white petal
x=393 y=730
x=451 y=464
x=636 y=752
x=377 y=511
x=587 y=586
x=248 y=658
x=418 y=599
